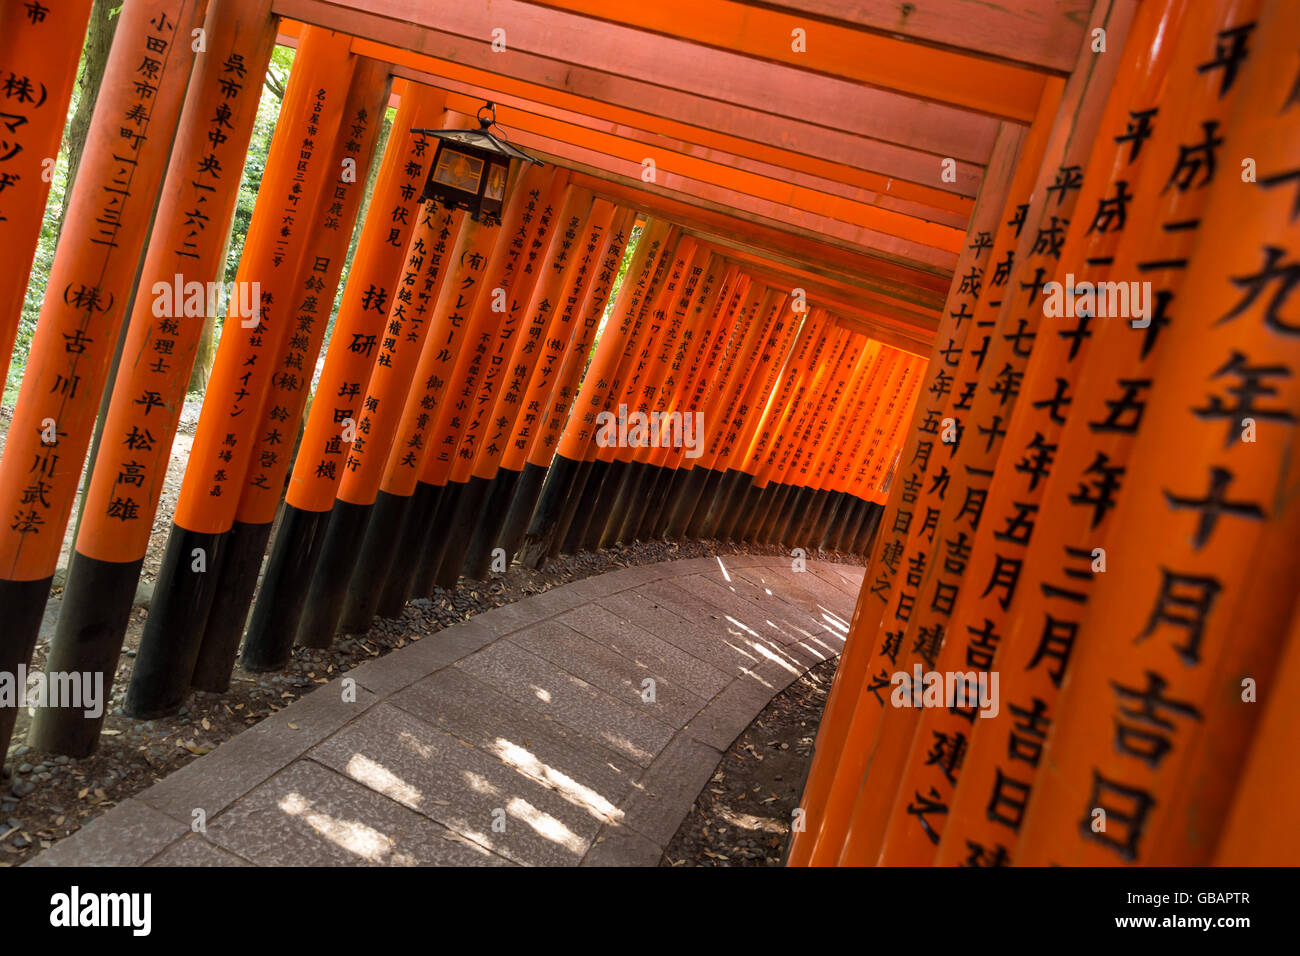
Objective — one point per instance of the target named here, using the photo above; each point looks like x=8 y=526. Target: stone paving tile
x=128 y=835
x=432 y=772
x=392 y=672
x=767 y=614
x=547 y=726
x=669 y=788
x=308 y=815
x=805 y=590
x=194 y=850
x=619 y=676
x=620 y=634
x=845 y=577
x=517 y=673
x=623 y=846
x=241 y=763
x=723 y=646
x=572 y=761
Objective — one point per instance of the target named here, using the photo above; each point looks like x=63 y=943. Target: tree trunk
x=94 y=57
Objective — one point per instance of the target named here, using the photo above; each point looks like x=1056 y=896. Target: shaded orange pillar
x=225 y=437
x=40 y=50
x=1010 y=158
x=1199 y=590
x=87 y=295
x=383 y=286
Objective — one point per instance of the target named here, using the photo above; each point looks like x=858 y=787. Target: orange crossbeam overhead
x=998 y=89
x=886 y=168
x=817 y=203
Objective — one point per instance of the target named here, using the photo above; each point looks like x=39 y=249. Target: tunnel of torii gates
x=999 y=298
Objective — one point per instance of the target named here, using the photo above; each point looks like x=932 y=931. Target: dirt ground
x=45 y=797
x=743 y=815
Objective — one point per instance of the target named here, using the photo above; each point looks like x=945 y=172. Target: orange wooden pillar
x=1153 y=726
x=705 y=376
x=315 y=527
x=87 y=295
x=557 y=506
x=40 y=49
x=440 y=249
x=686 y=314
x=724 y=480
x=1260 y=830
x=991 y=238
x=549 y=363
x=183 y=257
x=459 y=332
x=627 y=434
x=1074 y=469
x=317 y=284
x=296 y=171
x=577 y=318
x=984 y=428
x=551 y=475
x=677 y=434
x=994 y=560
x=982 y=396
x=847 y=453
x=839 y=429
x=762 y=316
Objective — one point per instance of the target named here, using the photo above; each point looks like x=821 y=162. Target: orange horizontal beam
x=809 y=201
x=830 y=49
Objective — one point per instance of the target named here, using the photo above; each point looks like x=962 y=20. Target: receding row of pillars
x=1106 y=554
x=483 y=394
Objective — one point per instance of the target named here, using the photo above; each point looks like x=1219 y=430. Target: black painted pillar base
x=519 y=517
x=849 y=533
x=588 y=521
x=278 y=608
x=867 y=534
x=23 y=603
x=427 y=554
x=708 y=491
x=752 y=522
x=400 y=583
x=373 y=563
x=496 y=508
x=239 y=570
x=767 y=531
x=716 y=506
x=93 y=617
x=569 y=509
x=688 y=496
x=173 y=632
x=653 y=508
x=741 y=502
x=535 y=547
x=636 y=487
x=612 y=506
x=329 y=585
x=833 y=503
x=791 y=521
x=461 y=529
x=673 y=491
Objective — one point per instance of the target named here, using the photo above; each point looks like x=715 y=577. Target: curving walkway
x=574 y=727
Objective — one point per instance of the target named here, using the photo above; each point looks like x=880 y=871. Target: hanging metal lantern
x=471 y=168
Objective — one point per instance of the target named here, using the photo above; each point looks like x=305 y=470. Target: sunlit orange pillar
x=220 y=457
x=86 y=299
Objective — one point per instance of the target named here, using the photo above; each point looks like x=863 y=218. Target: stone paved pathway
x=526 y=735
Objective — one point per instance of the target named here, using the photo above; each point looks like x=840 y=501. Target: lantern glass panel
x=458 y=170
